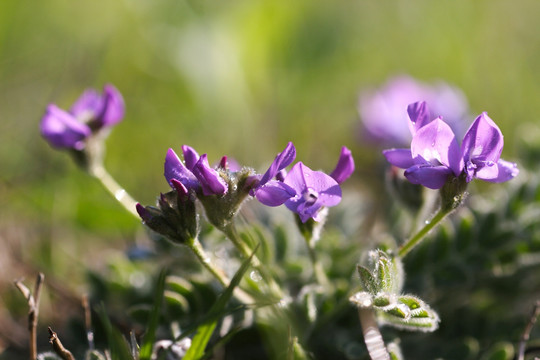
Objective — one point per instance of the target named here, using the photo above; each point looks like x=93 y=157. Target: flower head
x=88 y=115
x=435 y=154
x=383 y=111
x=481 y=150
x=303 y=190
x=194 y=173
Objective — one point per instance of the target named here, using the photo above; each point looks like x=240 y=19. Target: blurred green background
x=238 y=77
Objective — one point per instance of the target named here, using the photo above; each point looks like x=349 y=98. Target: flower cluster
x=222 y=189
x=91 y=113
x=383 y=111
x=435 y=155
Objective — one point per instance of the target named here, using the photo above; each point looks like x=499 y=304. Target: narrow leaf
x=205 y=330
x=153 y=321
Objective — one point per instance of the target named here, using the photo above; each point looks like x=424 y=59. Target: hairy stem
x=372 y=335
x=119 y=193
x=231 y=233
x=318 y=271
x=417 y=238
x=197 y=249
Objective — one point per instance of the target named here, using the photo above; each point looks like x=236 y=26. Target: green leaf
x=410 y=313
x=150 y=336
x=389 y=273
x=367 y=280
x=500 y=351
x=117 y=343
x=205 y=330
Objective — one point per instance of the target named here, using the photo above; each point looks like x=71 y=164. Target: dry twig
x=33 y=310
x=58 y=348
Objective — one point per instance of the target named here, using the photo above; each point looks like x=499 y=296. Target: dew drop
x=427 y=222
x=255 y=276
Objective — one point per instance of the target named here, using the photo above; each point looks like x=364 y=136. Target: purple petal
x=344 y=167
x=211 y=182
x=175 y=169
x=113 y=107
x=419 y=115
x=274 y=193
x=62 y=130
x=143 y=213
x=181 y=190
x=88 y=106
x=402 y=158
x=190 y=156
x=433 y=177
x=505 y=171
x=483 y=141
x=282 y=160
x=436 y=144
x=314 y=190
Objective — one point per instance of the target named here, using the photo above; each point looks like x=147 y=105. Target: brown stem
x=88 y=322
x=58 y=348
x=33 y=310
x=527 y=332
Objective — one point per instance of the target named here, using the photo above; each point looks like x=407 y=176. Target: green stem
x=430 y=224
x=318 y=271
x=196 y=246
x=115 y=189
x=230 y=231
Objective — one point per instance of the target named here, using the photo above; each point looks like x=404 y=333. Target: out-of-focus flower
x=383 y=111
x=303 y=190
x=91 y=113
x=435 y=154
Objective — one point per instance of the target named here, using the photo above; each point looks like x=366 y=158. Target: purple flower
x=383 y=111
x=344 y=167
x=435 y=155
x=481 y=150
x=89 y=114
x=194 y=173
x=302 y=190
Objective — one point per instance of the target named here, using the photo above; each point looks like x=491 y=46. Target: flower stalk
x=372 y=335
x=117 y=191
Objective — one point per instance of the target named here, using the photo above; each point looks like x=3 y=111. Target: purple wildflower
x=302 y=190
x=344 y=167
x=435 y=155
x=481 y=150
x=383 y=111
x=89 y=114
x=194 y=173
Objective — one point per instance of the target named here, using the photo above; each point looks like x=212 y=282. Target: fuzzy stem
x=206 y=261
x=230 y=231
x=430 y=224
x=119 y=193
x=318 y=271
x=197 y=249
x=372 y=335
